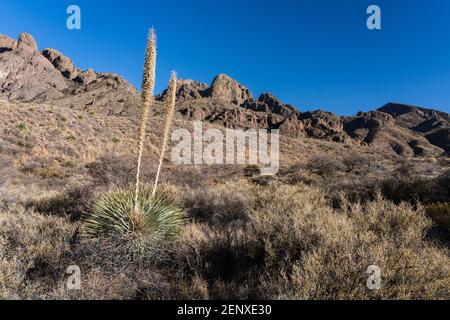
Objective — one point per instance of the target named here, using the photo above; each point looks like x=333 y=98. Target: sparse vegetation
x=22 y=127
x=115 y=140
x=293 y=245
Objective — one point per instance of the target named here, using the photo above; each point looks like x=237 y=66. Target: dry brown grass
x=273 y=242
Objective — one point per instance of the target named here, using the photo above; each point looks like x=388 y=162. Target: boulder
x=225 y=88
x=27 y=42
x=62 y=63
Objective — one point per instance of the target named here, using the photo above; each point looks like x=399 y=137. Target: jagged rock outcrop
x=7 y=43
x=188 y=90
x=228 y=115
x=48 y=76
x=293 y=127
x=432 y=124
x=62 y=63
x=86 y=77
x=52 y=78
x=225 y=88
x=380 y=129
x=105 y=93
x=25 y=74
x=27 y=42
x=322 y=124
x=267 y=102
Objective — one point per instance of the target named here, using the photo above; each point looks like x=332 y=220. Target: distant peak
x=226 y=88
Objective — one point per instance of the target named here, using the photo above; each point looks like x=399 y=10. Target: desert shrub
x=252 y=170
x=113 y=170
x=218 y=206
x=264 y=180
x=440 y=213
x=441 y=188
x=110 y=271
x=113 y=214
x=31 y=248
x=52 y=171
x=295 y=174
x=355 y=161
x=74 y=201
x=324 y=166
x=404 y=184
x=119 y=170
x=411 y=189
x=295 y=246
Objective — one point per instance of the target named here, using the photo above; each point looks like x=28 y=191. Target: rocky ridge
x=50 y=77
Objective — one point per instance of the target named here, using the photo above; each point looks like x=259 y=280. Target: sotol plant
x=143 y=216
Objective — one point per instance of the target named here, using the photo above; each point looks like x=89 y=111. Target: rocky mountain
x=27 y=74
x=380 y=129
x=432 y=124
x=48 y=76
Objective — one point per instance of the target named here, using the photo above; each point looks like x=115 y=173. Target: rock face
x=48 y=76
x=62 y=63
x=432 y=124
x=188 y=90
x=6 y=43
x=267 y=102
x=225 y=88
x=293 y=127
x=322 y=125
x=380 y=129
x=85 y=77
x=25 y=74
x=228 y=115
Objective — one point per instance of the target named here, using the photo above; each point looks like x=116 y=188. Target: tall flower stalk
x=170 y=109
x=148 y=87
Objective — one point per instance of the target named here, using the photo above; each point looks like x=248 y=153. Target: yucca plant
x=142 y=217
x=113 y=215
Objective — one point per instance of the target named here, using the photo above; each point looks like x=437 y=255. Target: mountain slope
x=432 y=124
x=49 y=77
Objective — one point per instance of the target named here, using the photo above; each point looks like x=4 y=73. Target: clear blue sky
x=313 y=54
